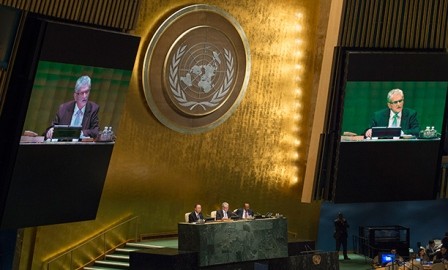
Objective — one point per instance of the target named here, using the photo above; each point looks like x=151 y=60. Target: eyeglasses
x=396 y=101
x=84 y=93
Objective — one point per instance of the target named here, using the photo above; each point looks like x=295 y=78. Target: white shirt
x=391 y=118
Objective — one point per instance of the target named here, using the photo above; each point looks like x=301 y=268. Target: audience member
x=376 y=260
x=378 y=263
x=431 y=249
x=445 y=240
x=441 y=256
x=422 y=255
x=398 y=258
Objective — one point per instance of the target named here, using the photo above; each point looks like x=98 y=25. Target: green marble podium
x=235 y=241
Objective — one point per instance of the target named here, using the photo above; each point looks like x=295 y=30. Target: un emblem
x=316 y=259
x=196 y=69
x=200 y=77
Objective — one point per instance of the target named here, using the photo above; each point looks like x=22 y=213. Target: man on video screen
x=395 y=115
x=79 y=112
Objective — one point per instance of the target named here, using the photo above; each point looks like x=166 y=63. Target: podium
x=364 y=172
x=235 y=241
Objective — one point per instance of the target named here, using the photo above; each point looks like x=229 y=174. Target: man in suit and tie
x=78 y=112
x=224 y=213
x=196 y=214
x=395 y=115
x=245 y=212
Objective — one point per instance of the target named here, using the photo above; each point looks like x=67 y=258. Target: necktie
x=245 y=214
x=78 y=118
x=225 y=213
x=394 y=122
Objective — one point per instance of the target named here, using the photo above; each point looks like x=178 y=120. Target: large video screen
x=363 y=98
x=54 y=85
x=51 y=182
x=383 y=105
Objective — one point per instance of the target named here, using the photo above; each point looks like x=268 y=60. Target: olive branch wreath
x=179 y=94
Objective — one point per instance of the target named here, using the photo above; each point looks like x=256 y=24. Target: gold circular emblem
x=317 y=259
x=196 y=69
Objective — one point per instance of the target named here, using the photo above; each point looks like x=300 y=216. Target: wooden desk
x=235 y=241
x=418 y=266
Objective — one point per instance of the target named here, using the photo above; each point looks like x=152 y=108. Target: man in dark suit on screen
x=395 y=115
x=78 y=112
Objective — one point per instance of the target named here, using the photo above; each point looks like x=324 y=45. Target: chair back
x=186 y=216
x=213 y=214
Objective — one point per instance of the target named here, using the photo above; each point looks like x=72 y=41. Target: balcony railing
x=96 y=247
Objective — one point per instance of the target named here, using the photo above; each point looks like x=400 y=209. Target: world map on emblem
x=201 y=73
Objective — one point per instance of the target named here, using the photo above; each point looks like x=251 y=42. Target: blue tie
x=78 y=118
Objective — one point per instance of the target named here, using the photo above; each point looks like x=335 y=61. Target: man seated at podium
x=78 y=112
x=196 y=214
x=395 y=115
x=224 y=213
x=245 y=212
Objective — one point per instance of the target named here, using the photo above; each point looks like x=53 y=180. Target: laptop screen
x=66 y=133
x=387 y=258
x=386 y=132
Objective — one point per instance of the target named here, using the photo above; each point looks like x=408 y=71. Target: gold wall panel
x=258 y=155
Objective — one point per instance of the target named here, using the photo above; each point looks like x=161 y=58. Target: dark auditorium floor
x=357 y=262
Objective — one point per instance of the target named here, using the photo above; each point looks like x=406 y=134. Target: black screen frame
x=50 y=40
